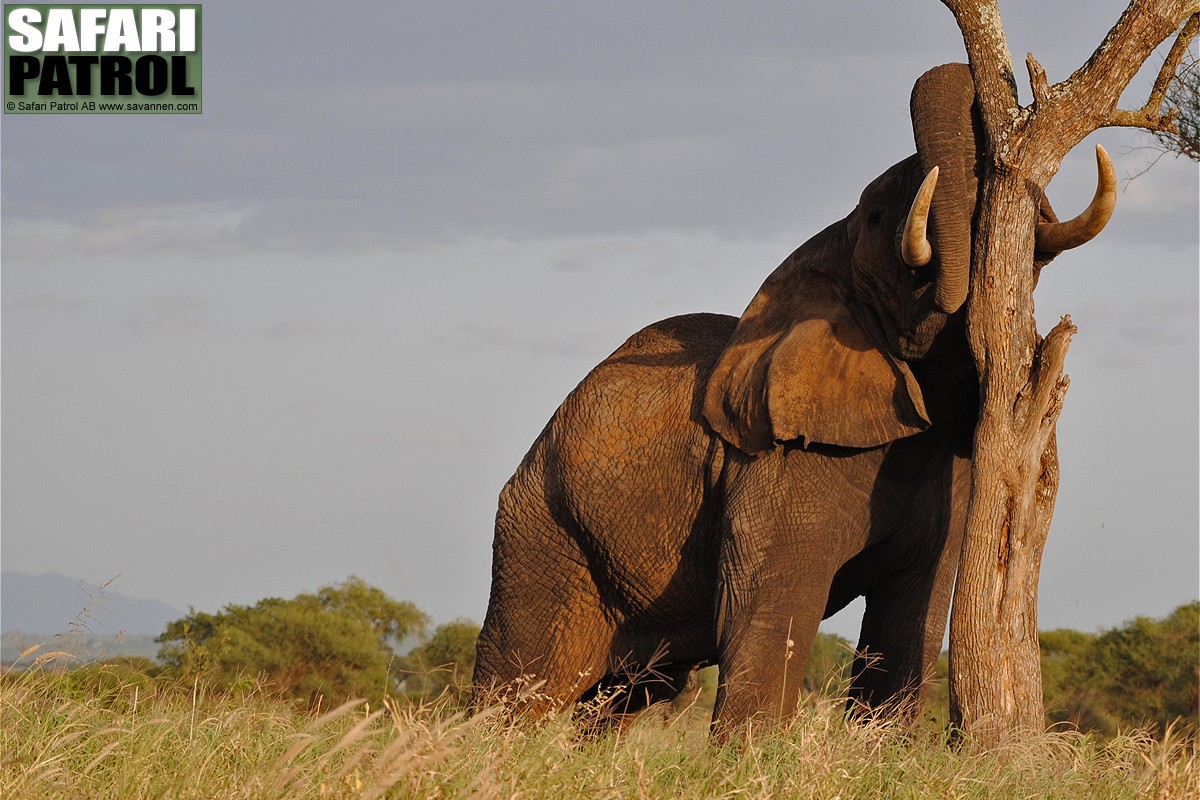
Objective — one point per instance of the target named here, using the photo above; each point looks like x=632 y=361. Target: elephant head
x=822 y=352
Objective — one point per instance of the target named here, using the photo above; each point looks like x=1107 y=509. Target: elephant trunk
x=947 y=134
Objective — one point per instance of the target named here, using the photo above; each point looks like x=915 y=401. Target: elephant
x=717 y=486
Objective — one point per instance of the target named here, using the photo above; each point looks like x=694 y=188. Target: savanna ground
x=106 y=733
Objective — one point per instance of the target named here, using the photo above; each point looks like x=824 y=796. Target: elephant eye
x=874 y=215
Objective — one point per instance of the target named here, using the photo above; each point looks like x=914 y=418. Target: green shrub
x=324 y=647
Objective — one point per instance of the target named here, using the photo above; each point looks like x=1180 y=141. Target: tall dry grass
x=66 y=738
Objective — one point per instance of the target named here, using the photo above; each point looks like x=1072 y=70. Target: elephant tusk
x=914 y=246
x=1054 y=237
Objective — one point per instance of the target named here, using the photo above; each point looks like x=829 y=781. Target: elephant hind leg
x=544 y=669
x=546 y=637
x=543 y=661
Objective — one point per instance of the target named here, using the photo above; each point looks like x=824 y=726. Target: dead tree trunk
x=995 y=667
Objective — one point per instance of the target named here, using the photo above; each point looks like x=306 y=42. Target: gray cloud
x=294 y=327
x=52 y=302
x=204 y=229
x=175 y=313
x=478 y=119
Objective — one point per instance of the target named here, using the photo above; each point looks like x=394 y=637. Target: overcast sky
x=311 y=332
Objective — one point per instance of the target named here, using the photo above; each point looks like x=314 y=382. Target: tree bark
x=995 y=662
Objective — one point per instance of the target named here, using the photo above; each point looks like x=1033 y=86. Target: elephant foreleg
x=766 y=635
x=902 y=634
x=762 y=675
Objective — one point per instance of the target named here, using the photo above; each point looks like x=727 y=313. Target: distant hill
x=80 y=649
x=50 y=603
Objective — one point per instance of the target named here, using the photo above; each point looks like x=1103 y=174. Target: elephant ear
x=800 y=367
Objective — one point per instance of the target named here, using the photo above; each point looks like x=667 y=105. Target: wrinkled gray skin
x=717 y=486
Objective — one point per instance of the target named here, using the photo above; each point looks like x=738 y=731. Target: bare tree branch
x=1083 y=102
x=1125 y=49
x=1171 y=65
x=1037 y=79
x=1183 y=96
x=1041 y=406
x=1152 y=116
x=991 y=62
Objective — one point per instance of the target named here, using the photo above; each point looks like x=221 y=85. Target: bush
x=1144 y=673
x=329 y=646
x=443 y=665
